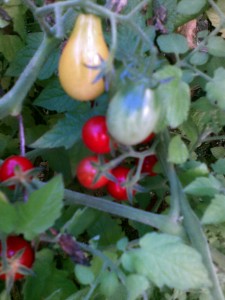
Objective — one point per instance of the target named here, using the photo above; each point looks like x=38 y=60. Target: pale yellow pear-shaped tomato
x=85 y=49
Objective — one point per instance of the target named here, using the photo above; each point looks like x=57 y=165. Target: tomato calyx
x=90 y=173
x=16 y=170
x=17 y=257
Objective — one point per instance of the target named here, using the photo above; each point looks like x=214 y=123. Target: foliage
x=167 y=240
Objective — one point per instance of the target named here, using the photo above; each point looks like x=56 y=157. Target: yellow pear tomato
x=84 y=51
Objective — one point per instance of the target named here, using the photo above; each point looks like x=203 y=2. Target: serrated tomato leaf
x=166 y=261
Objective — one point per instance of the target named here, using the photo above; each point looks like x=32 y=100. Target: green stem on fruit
x=11 y=104
x=160 y=222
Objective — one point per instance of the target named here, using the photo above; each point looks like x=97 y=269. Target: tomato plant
x=132 y=115
x=118 y=189
x=20 y=256
x=13 y=166
x=82 y=54
x=95 y=135
x=86 y=173
x=152 y=68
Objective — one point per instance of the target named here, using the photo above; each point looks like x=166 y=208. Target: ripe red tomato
x=86 y=173
x=115 y=189
x=15 y=244
x=148 y=165
x=95 y=135
x=7 y=169
x=149 y=138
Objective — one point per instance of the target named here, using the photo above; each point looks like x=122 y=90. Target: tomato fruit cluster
x=16 y=262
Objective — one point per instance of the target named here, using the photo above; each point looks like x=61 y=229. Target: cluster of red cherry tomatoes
x=96 y=138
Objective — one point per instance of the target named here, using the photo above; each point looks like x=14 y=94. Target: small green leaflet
x=203 y=186
x=190 y=7
x=173 y=43
x=214 y=213
x=167 y=261
x=215 y=88
x=216 y=46
x=173 y=95
x=178 y=152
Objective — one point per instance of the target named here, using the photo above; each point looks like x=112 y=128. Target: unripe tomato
x=115 y=189
x=16 y=264
x=95 y=135
x=132 y=116
x=85 y=47
x=86 y=173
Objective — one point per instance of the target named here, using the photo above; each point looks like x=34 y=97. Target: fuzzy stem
x=160 y=222
x=11 y=104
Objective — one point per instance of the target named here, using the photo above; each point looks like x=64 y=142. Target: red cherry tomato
x=95 y=135
x=7 y=169
x=115 y=189
x=148 y=139
x=26 y=259
x=148 y=165
x=86 y=173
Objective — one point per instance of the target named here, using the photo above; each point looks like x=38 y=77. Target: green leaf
x=82 y=219
x=178 y=152
x=10 y=45
x=214 y=213
x=136 y=285
x=173 y=96
x=54 y=98
x=203 y=186
x=50 y=66
x=107 y=229
x=8 y=217
x=173 y=43
x=41 y=210
x=216 y=46
x=215 y=88
x=218 y=152
x=48 y=279
x=109 y=283
x=84 y=274
x=199 y=58
x=219 y=166
x=190 y=7
x=17 y=12
x=24 y=55
x=166 y=260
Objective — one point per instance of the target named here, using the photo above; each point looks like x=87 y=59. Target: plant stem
x=169 y=171
x=160 y=222
x=191 y=223
x=197 y=237
x=21 y=135
x=11 y=104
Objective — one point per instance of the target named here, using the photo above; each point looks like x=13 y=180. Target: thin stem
x=11 y=105
x=198 y=239
x=21 y=135
x=105 y=259
x=169 y=170
x=214 y=138
x=161 y=222
x=137 y=8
